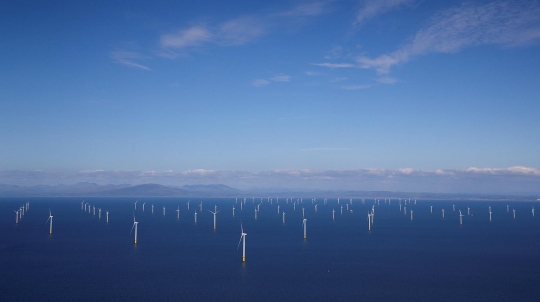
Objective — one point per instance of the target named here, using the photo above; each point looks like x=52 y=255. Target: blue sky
x=240 y=88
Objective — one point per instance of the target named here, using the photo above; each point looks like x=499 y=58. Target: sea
x=428 y=258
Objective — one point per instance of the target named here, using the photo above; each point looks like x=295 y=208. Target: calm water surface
x=427 y=259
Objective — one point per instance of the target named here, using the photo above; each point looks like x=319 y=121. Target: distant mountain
x=144 y=190
x=84 y=189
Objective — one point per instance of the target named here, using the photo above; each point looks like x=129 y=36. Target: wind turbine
x=255 y=214
x=16 y=216
x=107 y=213
x=333 y=213
x=411 y=215
x=278 y=209
x=99 y=216
x=369 y=221
x=215 y=217
x=461 y=217
x=135 y=204
x=163 y=210
x=233 y=210
x=195 y=216
x=143 y=206
x=243 y=240
x=188 y=204
x=283 y=217
x=178 y=213
x=152 y=208
x=82 y=204
x=431 y=209
x=442 y=213
x=50 y=218
x=305 y=225
x=135 y=223
x=468 y=211
x=514 y=210
x=532 y=211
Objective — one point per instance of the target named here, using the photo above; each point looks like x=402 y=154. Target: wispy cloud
x=192 y=36
x=356 y=87
x=313 y=73
x=129 y=58
x=260 y=82
x=334 y=53
x=280 y=78
x=505 y=23
x=241 y=30
x=372 y=8
x=338 y=79
x=237 y=31
x=276 y=78
x=387 y=80
x=335 y=65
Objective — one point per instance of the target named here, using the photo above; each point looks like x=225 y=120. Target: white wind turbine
x=188 y=204
x=431 y=209
x=143 y=206
x=135 y=204
x=283 y=217
x=514 y=210
x=195 y=216
x=215 y=217
x=99 y=215
x=256 y=214
x=233 y=210
x=369 y=221
x=135 y=223
x=333 y=213
x=411 y=214
x=243 y=240
x=532 y=211
x=152 y=208
x=50 y=218
x=107 y=214
x=82 y=204
x=304 y=224
x=16 y=216
x=163 y=210
x=461 y=218
x=178 y=213
x=442 y=213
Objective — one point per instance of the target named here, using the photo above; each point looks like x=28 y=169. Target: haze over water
x=427 y=259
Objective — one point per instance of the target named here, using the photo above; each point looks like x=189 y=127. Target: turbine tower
x=304 y=225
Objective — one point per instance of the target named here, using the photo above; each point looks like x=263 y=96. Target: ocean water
x=427 y=259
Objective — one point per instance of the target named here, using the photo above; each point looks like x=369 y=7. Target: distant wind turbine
x=16 y=216
x=50 y=218
x=135 y=223
x=243 y=240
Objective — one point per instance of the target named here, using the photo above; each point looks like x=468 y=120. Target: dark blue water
x=428 y=259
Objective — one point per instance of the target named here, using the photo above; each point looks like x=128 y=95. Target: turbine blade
x=239 y=242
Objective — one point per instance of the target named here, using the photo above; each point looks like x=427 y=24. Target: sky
x=405 y=95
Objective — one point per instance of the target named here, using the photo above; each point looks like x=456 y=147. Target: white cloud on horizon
x=277 y=78
x=470 y=180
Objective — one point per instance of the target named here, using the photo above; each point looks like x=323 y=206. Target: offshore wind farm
x=140 y=255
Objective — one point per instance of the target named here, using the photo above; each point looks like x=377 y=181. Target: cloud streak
x=504 y=23
x=129 y=58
